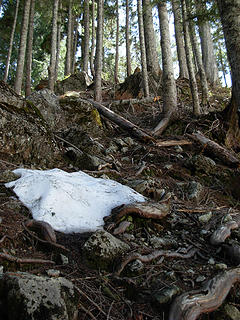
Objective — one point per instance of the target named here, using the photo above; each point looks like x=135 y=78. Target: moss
x=96 y=116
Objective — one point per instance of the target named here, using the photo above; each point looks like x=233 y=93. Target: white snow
x=70 y=202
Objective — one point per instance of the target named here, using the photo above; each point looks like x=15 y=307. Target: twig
x=87 y=312
x=154 y=255
x=72 y=145
x=6 y=162
x=5 y=237
x=89 y=299
x=9 y=257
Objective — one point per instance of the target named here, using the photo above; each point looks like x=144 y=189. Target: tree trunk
x=230 y=17
x=183 y=70
x=128 y=54
x=99 y=53
x=117 y=46
x=150 y=40
x=69 y=40
x=142 y=48
x=93 y=40
x=222 y=64
x=22 y=47
x=74 y=45
x=86 y=35
x=208 y=55
x=169 y=87
x=29 y=51
x=197 y=53
x=59 y=26
x=52 y=66
x=11 y=43
x=192 y=78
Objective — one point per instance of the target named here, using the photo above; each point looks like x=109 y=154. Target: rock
x=166 y=295
x=47 y=103
x=83 y=161
x=221 y=266
x=63 y=259
x=136 y=266
x=53 y=273
x=194 y=190
x=76 y=82
x=205 y=217
x=102 y=249
x=203 y=164
x=157 y=242
x=200 y=279
x=7 y=176
x=232 y=312
x=25 y=296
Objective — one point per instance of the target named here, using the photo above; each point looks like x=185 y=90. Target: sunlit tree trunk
x=86 y=35
x=150 y=39
x=142 y=48
x=11 y=42
x=192 y=78
x=117 y=45
x=230 y=17
x=99 y=53
x=74 y=45
x=69 y=40
x=29 y=51
x=52 y=67
x=208 y=55
x=169 y=84
x=127 y=34
x=183 y=70
x=22 y=47
x=93 y=40
x=198 y=56
x=59 y=27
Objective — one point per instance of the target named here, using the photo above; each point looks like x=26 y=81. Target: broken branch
x=9 y=257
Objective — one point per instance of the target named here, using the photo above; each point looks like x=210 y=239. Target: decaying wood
x=122 y=227
x=154 y=255
x=190 y=305
x=147 y=210
x=169 y=143
x=216 y=151
x=9 y=257
x=123 y=123
x=42 y=228
x=224 y=231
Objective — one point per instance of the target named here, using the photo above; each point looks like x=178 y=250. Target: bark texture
x=142 y=48
x=22 y=47
x=150 y=39
x=169 y=84
x=86 y=35
x=183 y=70
x=11 y=42
x=29 y=50
x=117 y=45
x=52 y=67
x=93 y=40
x=69 y=40
x=128 y=54
x=99 y=51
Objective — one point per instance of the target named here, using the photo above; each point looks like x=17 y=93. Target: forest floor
x=146 y=293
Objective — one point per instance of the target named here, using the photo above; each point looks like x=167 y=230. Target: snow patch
x=70 y=202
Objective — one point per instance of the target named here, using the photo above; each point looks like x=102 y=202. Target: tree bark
x=52 y=66
x=74 y=45
x=93 y=40
x=69 y=40
x=29 y=51
x=22 y=47
x=198 y=56
x=150 y=40
x=128 y=54
x=169 y=87
x=116 y=80
x=192 y=78
x=183 y=70
x=208 y=55
x=230 y=16
x=142 y=48
x=11 y=43
x=86 y=35
x=59 y=26
x=99 y=53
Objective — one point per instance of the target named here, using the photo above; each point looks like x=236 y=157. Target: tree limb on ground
x=9 y=257
x=224 y=231
x=123 y=123
x=190 y=305
x=217 y=151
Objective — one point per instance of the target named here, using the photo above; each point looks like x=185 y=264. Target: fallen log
x=170 y=143
x=190 y=305
x=216 y=151
x=123 y=123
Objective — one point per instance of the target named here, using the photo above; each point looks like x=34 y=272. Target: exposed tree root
x=9 y=257
x=42 y=228
x=142 y=209
x=224 y=231
x=122 y=227
x=190 y=305
x=154 y=255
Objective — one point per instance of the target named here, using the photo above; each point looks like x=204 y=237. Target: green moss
x=96 y=116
